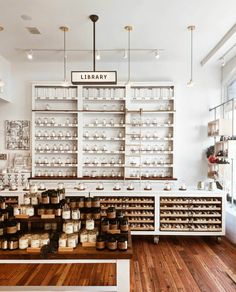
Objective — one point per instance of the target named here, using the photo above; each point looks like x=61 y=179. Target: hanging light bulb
x=30 y=55
x=98 y=56
x=157 y=55
x=128 y=28
x=191 y=28
x=65 y=82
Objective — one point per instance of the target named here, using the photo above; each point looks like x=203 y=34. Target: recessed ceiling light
x=30 y=55
x=157 y=55
x=26 y=17
x=1 y=28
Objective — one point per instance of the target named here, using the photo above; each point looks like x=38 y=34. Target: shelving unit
x=100 y=130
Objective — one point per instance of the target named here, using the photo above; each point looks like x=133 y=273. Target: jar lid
x=101 y=238
x=111 y=239
x=95 y=199
x=122 y=239
x=113 y=221
x=105 y=220
x=88 y=199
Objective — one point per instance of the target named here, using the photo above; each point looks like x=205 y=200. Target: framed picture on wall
x=17 y=135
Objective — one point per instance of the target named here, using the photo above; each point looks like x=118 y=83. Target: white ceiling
x=157 y=24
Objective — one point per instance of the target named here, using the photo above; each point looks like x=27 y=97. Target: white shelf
x=103 y=139
x=103 y=152
x=109 y=165
x=55 y=152
x=56 y=125
x=104 y=126
x=56 y=165
x=56 y=138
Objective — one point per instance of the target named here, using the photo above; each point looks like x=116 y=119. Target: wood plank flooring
x=175 y=264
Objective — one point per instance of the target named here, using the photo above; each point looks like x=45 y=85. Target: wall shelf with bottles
x=98 y=131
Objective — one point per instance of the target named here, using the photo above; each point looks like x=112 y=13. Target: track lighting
x=125 y=54
x=222 y=60
x=30 y=55
x=157 y=55
x=128 y=28
x=98 y=56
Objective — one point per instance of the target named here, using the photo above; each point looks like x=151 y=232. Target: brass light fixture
x=65 y=82
x=191 y=28
x=128 y=28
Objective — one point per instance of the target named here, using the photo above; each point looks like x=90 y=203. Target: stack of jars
x=9 y=228
x=33 y=240
x=114 y=231
x=89 y=233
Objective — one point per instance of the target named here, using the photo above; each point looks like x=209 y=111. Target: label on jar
x=89 y=224
x=35 y=243
x=16 y=211
x=30 y=211
x=23 y=243
x=66 y=214
x=47 y=226
x=77 y=226
x=76 y=214
x=92 y=237
x=34 y=200
x=71 y=242
x=62 y=242
x=83 y=237
x=27 y=200
x=69 y=228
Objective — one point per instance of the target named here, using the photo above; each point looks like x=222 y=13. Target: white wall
x=5 y=75
x=192 y=104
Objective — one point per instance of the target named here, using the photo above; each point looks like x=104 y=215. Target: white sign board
x=93 y=77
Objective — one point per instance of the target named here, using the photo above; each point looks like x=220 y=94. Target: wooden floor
x=175 y=264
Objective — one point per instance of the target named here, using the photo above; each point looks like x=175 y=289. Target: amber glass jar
x=88 y=203
x=113 y=224
x=58 y=210
x=73 y=203
x=112 y=244
x=45 y=198
x=122 y=244
x=105 y=225
x=80 y=202
x=111 y=213
x=41 y=210
x=96 y=213
x=124 y=225
x=101 y=242
x=55 y=198
x=13 y=243
x=95 y=202
x=88 y=214
x=12 y=227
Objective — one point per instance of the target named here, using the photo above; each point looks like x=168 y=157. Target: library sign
x=93 y=77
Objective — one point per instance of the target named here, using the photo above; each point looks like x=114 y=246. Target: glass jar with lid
x=101 y=242
x=55 y=198
x=80 y=202
x=12 y=227
x=13 y=243
x=66 y=213
x=111 y=213
x=112 y=244
x=105 y=225
x=96 y=202
x=45 y=198
x=96 y=214
x=75 y=214
x=88 y=202
x=124 y=224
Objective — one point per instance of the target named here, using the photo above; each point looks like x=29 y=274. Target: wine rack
x=140 y=211
x=194 y=214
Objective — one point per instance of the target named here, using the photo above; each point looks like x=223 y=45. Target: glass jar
x=58 y=210
x=71 y=240
x=105 y=225
x=92 y=236
x=2 y=203
x=41 y=210
x=2 y=225
x=89 y=224
x=63 y=240
x=84 y=236
x=76 y=225
x=45 y=198
x=23 y=242
x=55 y=198
x=124 y=225
x=88 y=203
x=101 y=242
x=88 y=214
x=54 y=226
x=66 y=213
x=12 y=227
x=96 y=213
x=111 y=213
x=82 y=214
x=4 y=243
x=112 y=244
x=35 y=241
x=122 y=244
x=75 y=214
x=16 y=210
x=27 y=200
x=113 y=224
x=96 y=202
x=49 y=210
x=30 y=210
x=44 y=239
x=73 y=203
x=13 y=243
x=80 y=203
x=69 y=227
x=34 y=199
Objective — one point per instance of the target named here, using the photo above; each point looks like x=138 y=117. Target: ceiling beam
x=219 y=45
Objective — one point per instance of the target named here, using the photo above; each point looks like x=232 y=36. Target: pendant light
x=65 y=82
x=128 y=28
x=191 y=28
